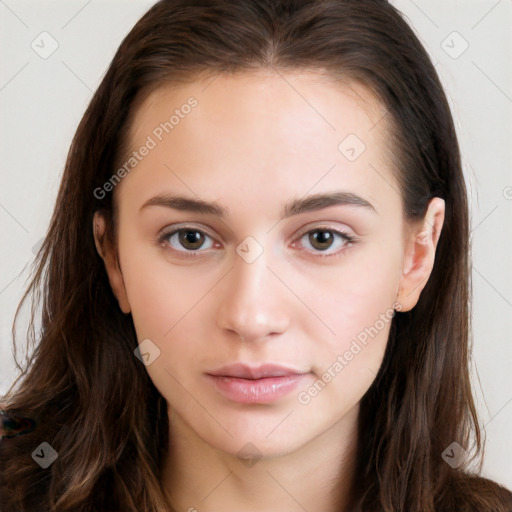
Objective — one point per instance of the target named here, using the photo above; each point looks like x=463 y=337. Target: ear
x=109 y=256
x=420 y=249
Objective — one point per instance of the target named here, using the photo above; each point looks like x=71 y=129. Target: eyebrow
x=294 y=207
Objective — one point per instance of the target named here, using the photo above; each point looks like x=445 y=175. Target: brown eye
x=321 y=239
x=191 y=239
x=186 y=240
x=324 y=242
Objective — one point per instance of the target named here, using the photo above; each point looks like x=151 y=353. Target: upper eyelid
x=326 y=227
x=169 y=230
x=179 y=226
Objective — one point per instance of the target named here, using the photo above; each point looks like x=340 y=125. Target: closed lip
x=244 y=371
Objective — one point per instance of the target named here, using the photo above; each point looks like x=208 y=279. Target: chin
x=267 y=437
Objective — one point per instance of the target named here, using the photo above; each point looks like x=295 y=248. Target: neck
x=198 y=477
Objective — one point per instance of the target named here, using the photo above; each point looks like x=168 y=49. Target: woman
x=255 y=277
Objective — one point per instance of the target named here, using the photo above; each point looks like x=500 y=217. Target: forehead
x=280 y=130
x=265 y=97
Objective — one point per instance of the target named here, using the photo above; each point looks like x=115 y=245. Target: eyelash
x=349 y=240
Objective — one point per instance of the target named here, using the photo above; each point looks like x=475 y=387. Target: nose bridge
x=251 y=305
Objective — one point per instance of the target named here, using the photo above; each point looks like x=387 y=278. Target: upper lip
x=243 y=371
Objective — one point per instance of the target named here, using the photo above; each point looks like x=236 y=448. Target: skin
x=254 y=142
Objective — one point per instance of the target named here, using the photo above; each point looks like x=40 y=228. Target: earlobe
x=419 y=255
x=109 y=257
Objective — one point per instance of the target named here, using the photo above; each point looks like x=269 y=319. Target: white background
x=42 y=101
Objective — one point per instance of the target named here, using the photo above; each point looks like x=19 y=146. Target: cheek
x=352 y=294
x=166 y=303
x=347 y=363
x=346 y=297
x=356 y=302
x=160 y=294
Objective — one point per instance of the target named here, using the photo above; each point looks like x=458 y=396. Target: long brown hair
x=93 y=401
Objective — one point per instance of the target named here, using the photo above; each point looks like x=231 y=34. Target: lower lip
x=256 y=391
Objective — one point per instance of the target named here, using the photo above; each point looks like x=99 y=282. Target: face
x=277 y=296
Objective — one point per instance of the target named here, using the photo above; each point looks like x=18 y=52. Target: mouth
x=250 y=385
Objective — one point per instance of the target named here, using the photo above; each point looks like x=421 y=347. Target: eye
x=321 y=240
x=187 y=239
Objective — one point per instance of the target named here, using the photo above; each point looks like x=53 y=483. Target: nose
x=253 y=304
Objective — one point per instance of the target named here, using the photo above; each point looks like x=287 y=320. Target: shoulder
x=472 y=493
